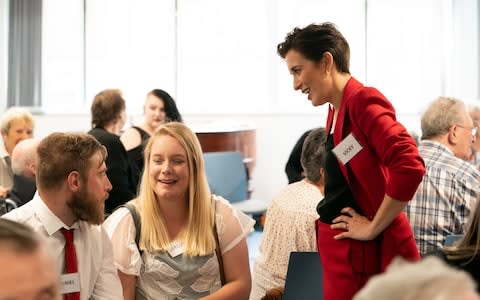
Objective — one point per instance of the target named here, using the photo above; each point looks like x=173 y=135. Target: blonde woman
x=175 y=256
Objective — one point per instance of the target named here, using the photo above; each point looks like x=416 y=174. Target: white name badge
x=347 y=149
x=70 y=283
x=176 y=248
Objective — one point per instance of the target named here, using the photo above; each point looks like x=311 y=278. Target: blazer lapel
x=350 y=88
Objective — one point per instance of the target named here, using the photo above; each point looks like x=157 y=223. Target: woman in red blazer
x=372 y=168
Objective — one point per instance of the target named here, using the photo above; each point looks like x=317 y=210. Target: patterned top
x=444 y=198
x=290 y=226
x=163 y=276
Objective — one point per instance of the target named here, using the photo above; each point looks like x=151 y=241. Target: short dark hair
x=313 y=154
x=60 y=153
x=106 y=107
x=314 y=40
x=18 y=237
x=171 y=110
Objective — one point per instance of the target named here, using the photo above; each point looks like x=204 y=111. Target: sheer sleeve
x=232 y=224
x=121 y=230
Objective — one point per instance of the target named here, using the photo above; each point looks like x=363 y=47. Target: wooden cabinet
x=241 y=139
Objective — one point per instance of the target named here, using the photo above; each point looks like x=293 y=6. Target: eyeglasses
x=474 y=129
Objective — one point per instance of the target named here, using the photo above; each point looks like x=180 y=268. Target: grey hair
x=313 y=154
x=474 y=110
x=426 y=279
x=440 y=115
x=23 y=154
x=446 y=286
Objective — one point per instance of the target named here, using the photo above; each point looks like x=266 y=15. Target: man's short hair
x=441 y=114
x=15 y=113
x=23 y=155
x=106 y=107
x=18 y=237
x=58 y=154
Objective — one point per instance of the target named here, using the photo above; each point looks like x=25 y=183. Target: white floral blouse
x=290 y=226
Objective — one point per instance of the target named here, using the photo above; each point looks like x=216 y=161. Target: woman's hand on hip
x=353 y=226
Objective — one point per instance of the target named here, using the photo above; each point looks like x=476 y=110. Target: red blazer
x=389 y=162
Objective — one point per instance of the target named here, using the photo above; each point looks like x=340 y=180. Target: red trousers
x=348 y=264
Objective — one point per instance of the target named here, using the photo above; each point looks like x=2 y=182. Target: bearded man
x=68 y=209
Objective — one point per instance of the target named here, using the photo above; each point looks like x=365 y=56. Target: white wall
x=276 y=135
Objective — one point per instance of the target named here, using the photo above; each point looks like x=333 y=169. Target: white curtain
x=24 y=54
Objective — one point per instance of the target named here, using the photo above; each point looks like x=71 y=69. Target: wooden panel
x=242 y=140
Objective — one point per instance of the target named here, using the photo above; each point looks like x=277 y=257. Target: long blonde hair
x=469 y=245
x=197 y=236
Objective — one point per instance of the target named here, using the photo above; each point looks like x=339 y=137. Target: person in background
x=16 y=124
x=293 y=208
x=474 y=111
x=428 y=279
x=465 y=254
x=28 y=270
x=293 y=168
x=108 y=118
x=372 y=164
x=159 y=108
x=68 y=209
x=186 y=233
x=451 y=185
x=415 y=137
x=24 y=164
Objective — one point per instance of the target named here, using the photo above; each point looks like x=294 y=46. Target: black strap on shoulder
x=136 y=221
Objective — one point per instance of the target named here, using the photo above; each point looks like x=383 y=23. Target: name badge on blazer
x=69 y=283
x=347 y=149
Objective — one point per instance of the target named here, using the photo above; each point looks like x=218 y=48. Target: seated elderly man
x=16 y=124
x=451 y=185
x=475 y=115
x=23 y=165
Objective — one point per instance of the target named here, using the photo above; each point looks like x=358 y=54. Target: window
x=216 y=56
x=130 y=45
x=63 y=56
x=224 y=56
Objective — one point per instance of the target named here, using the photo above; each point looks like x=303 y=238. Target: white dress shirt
x=98 y=275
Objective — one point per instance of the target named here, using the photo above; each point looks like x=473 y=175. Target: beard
x=86 y=207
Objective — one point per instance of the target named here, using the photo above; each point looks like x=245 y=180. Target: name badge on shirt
x=176 y=248
x=70 y=283
x=347 y=149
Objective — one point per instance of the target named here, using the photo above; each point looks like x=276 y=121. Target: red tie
x=71 y=265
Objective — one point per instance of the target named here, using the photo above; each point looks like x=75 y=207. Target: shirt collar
x=49 y=220
x=436 y=145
